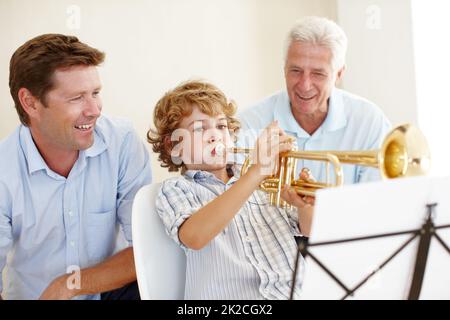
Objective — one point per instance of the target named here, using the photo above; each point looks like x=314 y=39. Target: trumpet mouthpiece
x=220 y=149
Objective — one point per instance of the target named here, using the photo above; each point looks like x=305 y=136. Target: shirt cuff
x=175 y=227
x=293 y=220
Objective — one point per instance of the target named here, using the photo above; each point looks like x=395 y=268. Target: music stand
x=380 y=240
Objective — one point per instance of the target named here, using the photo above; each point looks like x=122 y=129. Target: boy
x=237 y=246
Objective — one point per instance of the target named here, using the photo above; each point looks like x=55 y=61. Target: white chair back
x=160 y=262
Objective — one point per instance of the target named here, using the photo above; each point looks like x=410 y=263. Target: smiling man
x=312 y=109
x=68 y=177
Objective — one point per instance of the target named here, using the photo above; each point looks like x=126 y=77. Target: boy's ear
x=169 y=147
x=174 y=150
x=167 y=144
x=234 y=135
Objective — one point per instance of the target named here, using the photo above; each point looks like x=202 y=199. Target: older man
x=312 y=109
x=68 y=177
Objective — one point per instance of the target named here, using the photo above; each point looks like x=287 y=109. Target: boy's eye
x=222 y=126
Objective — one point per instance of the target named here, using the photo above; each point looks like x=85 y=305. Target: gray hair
x=323 y=32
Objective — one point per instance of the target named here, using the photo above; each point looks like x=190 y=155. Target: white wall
x=380 y=60
x=153 y=45
x=432 y=51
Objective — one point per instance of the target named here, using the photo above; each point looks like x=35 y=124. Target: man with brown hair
x=68 y=177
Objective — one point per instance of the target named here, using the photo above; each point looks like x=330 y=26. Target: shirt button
x=248 y=238
x=70 y=213
x=72 y=243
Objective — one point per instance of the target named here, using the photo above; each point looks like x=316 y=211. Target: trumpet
x=404 y=153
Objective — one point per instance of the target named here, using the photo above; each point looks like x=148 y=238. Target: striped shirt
x=252 y=258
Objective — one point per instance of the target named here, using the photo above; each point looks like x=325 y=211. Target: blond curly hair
x=178 y=104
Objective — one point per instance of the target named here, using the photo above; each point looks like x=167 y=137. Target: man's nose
x=92 y=108
x=305 y=83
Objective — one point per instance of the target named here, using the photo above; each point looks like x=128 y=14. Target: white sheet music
x=378 y=208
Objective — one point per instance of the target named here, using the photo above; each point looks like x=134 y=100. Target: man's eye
x=96 y=93
x=76 y=98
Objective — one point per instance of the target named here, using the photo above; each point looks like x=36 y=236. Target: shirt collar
x=200 y=175
x=283 y=113
x=32 y=155
x=335 y=120
x=336 y=117
x=35 y=160
x=98 y=147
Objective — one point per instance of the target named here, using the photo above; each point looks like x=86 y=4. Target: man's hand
x=58 y=290
x=115 y=272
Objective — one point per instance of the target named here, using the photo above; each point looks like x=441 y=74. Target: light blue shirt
x=51 y=225
x=352 y=123
x=252 y=258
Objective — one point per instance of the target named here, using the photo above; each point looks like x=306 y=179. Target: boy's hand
x=289 y=195
x=305 y=204
x=305 y=209
x=272 y=141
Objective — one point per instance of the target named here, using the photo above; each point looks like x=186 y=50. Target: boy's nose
x=214 y=138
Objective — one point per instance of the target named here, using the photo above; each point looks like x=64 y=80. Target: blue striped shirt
x=252 y=258
x=51 y=225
